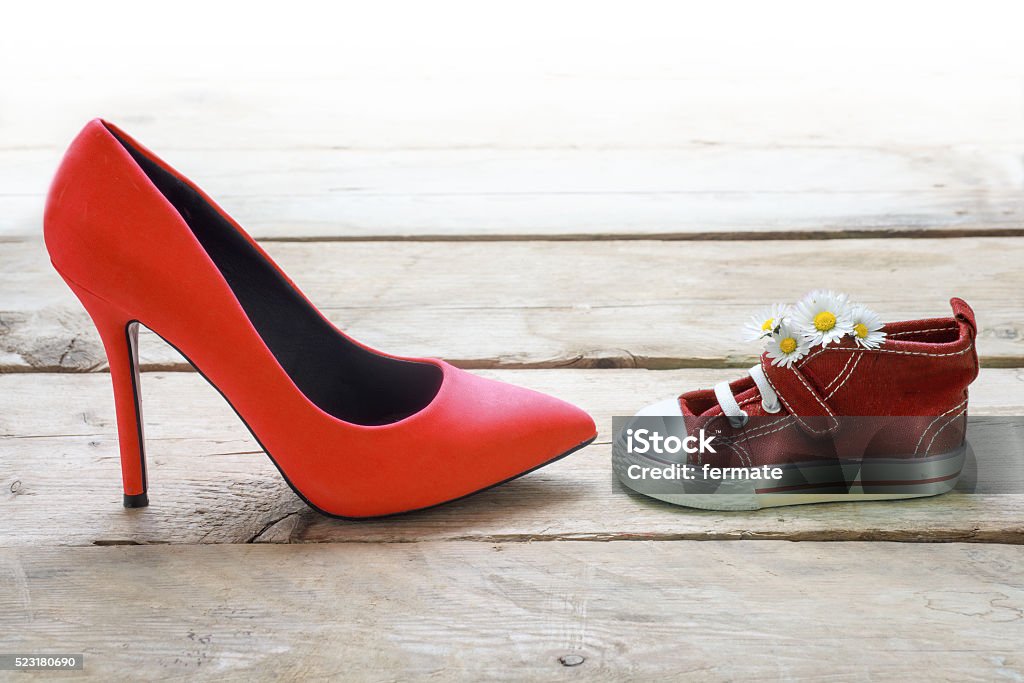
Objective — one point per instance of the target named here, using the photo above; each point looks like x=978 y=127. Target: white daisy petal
x=867 y=327
x=823 y=317
x=760 y=326
x=787 y=345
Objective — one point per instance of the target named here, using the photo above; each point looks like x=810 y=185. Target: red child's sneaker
x=841 y=407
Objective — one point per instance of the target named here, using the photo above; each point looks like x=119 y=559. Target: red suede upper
x=913 y=388
x=111 y=233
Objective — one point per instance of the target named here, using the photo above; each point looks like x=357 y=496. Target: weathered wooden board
x=697 y=192
x=278 y=109
x=594 y=304
x=473 y=611
x=210 y=483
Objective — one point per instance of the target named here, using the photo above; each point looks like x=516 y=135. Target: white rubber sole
x=735 y=502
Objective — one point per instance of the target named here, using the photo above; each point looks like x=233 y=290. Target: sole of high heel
x=139 y=500
x=144 y=501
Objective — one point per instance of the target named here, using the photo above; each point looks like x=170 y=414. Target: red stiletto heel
x=120 y=338
x=355 y=432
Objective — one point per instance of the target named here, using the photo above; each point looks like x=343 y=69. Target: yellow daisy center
x=824 y=321
x=787 y=345
x=861 y=330
x=768 y=324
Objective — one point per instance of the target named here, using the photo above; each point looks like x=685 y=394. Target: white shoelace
x=737 y=416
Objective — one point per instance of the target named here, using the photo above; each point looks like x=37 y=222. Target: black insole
x=340 y=377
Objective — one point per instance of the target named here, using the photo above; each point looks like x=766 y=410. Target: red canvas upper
x=113 y=236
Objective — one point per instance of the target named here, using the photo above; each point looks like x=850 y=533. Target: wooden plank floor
x=669 y=610
x=210 y=482
x=598 y=239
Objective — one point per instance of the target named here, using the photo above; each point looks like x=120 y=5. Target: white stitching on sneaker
x=917 y=353
x=840 y=373
x=741 y=450
x=793 y=412
x=884 y=350
x=934 y=329
x=766 y=425
x=950 y=421
x=814 y=395
x=777 y=429
x=833 y=392
x=717 y=410
x=735 y=447
x=925 y=432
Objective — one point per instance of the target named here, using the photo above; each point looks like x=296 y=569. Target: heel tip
x=139 y=500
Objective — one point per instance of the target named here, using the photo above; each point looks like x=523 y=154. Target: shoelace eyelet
x=773 y=408
x=739 y=421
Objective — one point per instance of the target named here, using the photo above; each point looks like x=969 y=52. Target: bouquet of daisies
x=821 y=318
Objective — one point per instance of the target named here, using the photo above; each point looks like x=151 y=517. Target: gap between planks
x=836 y=233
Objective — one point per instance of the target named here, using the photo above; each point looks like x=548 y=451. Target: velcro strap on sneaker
x=799 y=397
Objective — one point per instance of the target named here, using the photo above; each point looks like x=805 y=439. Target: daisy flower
x=760 y=326
x=823 y=317
x=867 y=327
x=787 y=345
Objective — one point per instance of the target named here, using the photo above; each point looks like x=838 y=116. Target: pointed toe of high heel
x=476 y=434
x=533 y=429
x=558 y=427
x=515 y=431
x=355 y=432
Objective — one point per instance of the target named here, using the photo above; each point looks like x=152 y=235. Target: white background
x=523 y=74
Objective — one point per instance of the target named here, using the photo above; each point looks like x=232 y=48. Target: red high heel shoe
x=355 y=432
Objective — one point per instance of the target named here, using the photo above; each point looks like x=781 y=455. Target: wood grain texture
x=356 y=110
x=546 y=304
x=703 y=191
x=210 y=482
x=472 y=611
